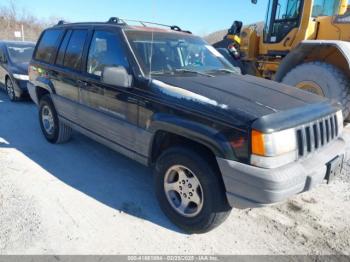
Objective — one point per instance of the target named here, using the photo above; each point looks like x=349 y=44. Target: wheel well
x=330 y=54
x=6 y=78
x=164 y=140
x=40 y=92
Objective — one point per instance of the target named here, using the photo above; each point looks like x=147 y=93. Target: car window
x=74 y=52
x=63 y=47
x=48 y=45
x=105 y=50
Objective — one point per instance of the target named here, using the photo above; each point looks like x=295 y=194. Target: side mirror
x=116 y=76
x=254 y=2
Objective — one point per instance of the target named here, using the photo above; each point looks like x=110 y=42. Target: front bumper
x=248 y=186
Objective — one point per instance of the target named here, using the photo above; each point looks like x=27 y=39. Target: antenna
x=152 y=43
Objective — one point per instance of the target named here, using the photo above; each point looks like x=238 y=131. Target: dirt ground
x=82 y=198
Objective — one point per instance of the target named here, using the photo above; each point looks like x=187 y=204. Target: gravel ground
x=82 y=198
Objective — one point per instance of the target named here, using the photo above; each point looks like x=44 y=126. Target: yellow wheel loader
x=304 y=43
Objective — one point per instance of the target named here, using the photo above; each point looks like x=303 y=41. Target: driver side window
x=105 y=50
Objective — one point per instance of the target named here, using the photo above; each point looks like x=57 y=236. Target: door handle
x=82 y=83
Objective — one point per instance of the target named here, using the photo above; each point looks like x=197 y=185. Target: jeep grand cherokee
x=168 y=100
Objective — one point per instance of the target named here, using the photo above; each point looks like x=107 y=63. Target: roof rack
x=61 y=22
x=115 y=20
x=145 y=23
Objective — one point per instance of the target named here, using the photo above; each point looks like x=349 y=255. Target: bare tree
x=13 y=17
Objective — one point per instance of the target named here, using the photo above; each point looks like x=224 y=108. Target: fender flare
x=305 y=48
x=45 y=83
x=202 y=134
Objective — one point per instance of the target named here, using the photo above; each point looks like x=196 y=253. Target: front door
x=110 y=111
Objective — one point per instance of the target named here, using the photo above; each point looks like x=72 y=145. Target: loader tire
x=322 y=79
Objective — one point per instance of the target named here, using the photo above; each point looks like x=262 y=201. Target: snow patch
x=185 y=94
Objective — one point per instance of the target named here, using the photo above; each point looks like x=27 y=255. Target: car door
x=110 y=111
x=67 y=73
x=3 y=61
x=69 y=63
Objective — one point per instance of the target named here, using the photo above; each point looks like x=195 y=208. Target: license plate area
x=334 y=168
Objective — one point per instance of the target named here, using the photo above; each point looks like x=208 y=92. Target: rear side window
x=48 y=45
x=105 y=50
x=63 y=47
x=74 y=51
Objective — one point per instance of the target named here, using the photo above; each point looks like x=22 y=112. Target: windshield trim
x=133 y=53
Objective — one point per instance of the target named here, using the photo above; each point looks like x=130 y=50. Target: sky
x=199 y=16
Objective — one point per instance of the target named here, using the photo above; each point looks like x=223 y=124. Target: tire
x=10 y=90
x=54 y=130
x=333 y=82
x=214 y=208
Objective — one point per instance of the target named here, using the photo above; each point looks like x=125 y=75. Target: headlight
x=340 y=121
x=21 y=77
x=274 y=150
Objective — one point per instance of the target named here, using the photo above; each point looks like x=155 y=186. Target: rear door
x=69 y=64
x=66 y=76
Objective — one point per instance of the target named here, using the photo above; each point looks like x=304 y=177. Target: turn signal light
x=258 y=145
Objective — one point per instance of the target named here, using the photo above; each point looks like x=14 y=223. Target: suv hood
x=241 y=99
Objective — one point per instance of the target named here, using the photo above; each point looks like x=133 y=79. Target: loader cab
x=282 y=17
x=290 y=21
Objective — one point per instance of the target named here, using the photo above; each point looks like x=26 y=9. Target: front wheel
x=190 y=191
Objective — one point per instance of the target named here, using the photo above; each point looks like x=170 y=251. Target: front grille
x=317 y=134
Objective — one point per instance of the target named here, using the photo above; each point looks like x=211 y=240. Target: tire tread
x=343 y=82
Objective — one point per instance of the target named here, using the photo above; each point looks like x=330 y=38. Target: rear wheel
x=322 y=79
x=190 y=191
x=53 y=129
x=10 y=90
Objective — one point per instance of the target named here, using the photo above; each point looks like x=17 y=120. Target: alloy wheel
x=183 y=191
x=47 y=120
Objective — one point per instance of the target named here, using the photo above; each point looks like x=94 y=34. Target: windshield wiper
x=183 y=70
x=225 y=70
x=160 y=72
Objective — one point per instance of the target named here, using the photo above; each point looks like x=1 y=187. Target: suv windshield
x=20 y=53
x=164 y=53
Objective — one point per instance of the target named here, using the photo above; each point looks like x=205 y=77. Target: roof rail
x=61 y=22
x=115 y=20
x=145 y=23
